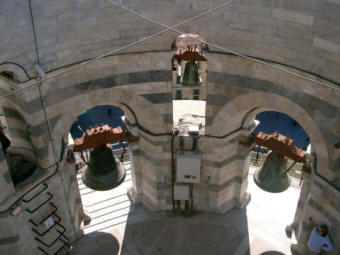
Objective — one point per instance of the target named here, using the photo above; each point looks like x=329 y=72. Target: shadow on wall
x=96 y=243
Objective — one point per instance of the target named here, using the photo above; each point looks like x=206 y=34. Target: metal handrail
x=41 y=205
x=43 y=180
x=61 y=233
x=54 y=211
x=29 y=200
x=33 y=187
x=49 y=229
x=64 y=229
x=41 y=249
x=62 y=247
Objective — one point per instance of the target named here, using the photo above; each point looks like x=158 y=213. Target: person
x=319 y=240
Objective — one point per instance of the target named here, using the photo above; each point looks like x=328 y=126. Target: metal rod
x=47 y=122
x=49 y=229
x=172 y=173
x=286 y=172
x=37 y=194
x=42 y=204
x=191 y=186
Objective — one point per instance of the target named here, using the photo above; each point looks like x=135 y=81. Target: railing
x=37 y=194
x=42 y=204
x=55 y=222
x=61 y=233
x=55 y=219
x=54 y=211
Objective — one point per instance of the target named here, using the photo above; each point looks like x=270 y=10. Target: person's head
x=322 y=230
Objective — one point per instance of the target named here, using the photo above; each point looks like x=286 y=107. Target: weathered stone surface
x=299 y=36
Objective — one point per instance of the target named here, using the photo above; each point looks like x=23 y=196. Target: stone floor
x=119 y=227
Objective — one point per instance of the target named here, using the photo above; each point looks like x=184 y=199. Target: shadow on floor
x=96 y=243
x=163 y=233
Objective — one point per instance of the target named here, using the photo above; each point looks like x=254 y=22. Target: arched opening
x=275 y=179
x=104 y=207
x=17 y=146
x=237 y=118
x=269 y=122
x=189 y=77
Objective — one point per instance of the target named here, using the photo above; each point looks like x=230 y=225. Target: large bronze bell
x=190 y=77
x=102 y=172
x=272 y=175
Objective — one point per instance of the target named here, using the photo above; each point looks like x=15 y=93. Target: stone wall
x=237 y=91
x=319 y=205
x=16 y=236
x=303 y=34
x=140 y=84
x=18 y=132
x=59 y=194
x=5 y=178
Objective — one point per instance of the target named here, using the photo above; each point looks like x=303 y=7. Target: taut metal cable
x=114 y=51
x=224 y=49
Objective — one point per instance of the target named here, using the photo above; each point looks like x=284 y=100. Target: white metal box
x=188 y=166
x=181 y=192
x=194 y=129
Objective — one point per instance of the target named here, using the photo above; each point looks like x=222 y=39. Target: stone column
x=6 y=183
x=135 y=191
x=301 y=206
x=242 y=196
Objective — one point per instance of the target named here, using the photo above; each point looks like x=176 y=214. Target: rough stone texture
x=303 y=35
x=74 y=31
x=73 y=201
x=302 y=204
x=18 y=132
x=321 y=207
x=253 y=88
x=6 y=183
x=16 y=235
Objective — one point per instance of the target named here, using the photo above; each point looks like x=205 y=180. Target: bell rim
x=110 y=185
x=265 y=188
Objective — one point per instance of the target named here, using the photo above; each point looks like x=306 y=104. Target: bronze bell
x=102 y=171
x=190 y=77
x=272 y=175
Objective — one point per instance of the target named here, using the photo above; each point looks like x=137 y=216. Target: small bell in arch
x=190 y=77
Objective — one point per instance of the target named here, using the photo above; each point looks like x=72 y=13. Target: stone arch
x=15 y=100
x=147 y=114
x=242 y=110
x=16 y=120
x=14 y=72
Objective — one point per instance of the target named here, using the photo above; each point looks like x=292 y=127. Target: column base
x=133 y=196
x=244 y=202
